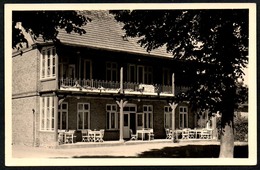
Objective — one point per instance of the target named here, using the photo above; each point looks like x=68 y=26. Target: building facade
x=82 y=82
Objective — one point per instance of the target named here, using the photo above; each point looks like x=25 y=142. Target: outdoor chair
x=99 y=136
x=168 y=134
x=69 y=136
x=61 y=138
x=133 y=136
x=185 y=134
x=151 y=134
x=205 y=134
x=192 y=134
x=85 y=135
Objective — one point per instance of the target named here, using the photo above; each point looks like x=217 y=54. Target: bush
x=240 y=128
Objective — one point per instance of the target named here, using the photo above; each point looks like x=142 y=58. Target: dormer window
x=48 y=63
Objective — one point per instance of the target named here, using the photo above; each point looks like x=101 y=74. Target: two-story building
x=83 y=81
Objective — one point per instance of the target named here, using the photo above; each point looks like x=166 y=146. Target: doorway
x=129 y=120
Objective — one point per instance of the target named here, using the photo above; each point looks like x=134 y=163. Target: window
x=131 y=73
x=140 y=74
x=166 y=77
x=48 y=63
x=183 y=110
x=112 y=116
x=144 y=74
x=148 y=75
x=111 y=71
x=148 y=116
x=83 y=121
x=63 y=116
x=167 y=117
x=87 y=67
x=47 y=113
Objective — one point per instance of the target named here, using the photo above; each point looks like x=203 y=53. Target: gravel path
x=19 y=151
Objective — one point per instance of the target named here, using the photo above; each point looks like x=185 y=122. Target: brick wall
x=24 y=73
x=98 y=115
x=25 y=79
x=23 y=120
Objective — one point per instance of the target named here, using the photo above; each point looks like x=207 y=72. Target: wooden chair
x=151 y=134
x=85 y=135
x=132 y=135
x=99 y=136
x=69 y=136
x=185 y=134
x=205 y=134
x=168 y=134
x=61 y=137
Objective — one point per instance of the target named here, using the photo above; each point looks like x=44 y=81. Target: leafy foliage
x=216 y=41
x=46 y=24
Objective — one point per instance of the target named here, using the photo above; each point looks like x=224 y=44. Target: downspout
x=34 y=128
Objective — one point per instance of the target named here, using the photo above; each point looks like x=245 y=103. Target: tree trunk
x=227 y=127
x=227 y=139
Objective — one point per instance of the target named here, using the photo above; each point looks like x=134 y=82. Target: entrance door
x=126 y=125
x=129 y=120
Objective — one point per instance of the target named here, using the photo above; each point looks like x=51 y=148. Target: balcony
x=101 y=86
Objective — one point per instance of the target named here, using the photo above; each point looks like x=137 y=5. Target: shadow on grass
x=189 y=151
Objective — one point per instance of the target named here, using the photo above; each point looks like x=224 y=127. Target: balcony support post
x=173 y=84
x=121 y=105
x=121 y=81
x=173 y=107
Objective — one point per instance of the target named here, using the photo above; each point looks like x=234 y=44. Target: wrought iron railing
x=115 y=85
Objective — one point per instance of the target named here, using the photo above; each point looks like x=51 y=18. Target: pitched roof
x=107 y=34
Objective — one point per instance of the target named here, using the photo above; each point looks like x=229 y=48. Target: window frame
x=60 y=111
x=47 y=109
x=49 y=63
x=83 y=111
x=85 y=69
x=111 y=69
x=148 y=114
x=109 y=117
x=167 y=113
x=182 y=115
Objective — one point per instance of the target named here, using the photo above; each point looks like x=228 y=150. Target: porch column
x=173 y=107
x=121 y=105
x=56 y=119
x=214 y=127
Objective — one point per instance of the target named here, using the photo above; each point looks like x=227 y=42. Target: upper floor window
x=166 y=78
x=140 y=74
x=111 y=71
x=48 y=62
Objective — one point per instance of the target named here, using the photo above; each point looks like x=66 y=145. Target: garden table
x=142 y=132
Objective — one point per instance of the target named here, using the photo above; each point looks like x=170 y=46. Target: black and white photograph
x=136 y=84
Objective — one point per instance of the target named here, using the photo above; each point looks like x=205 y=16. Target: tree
x=217 y=40
x=45 y=24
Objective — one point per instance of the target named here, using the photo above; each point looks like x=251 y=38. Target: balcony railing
x=115 y=86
